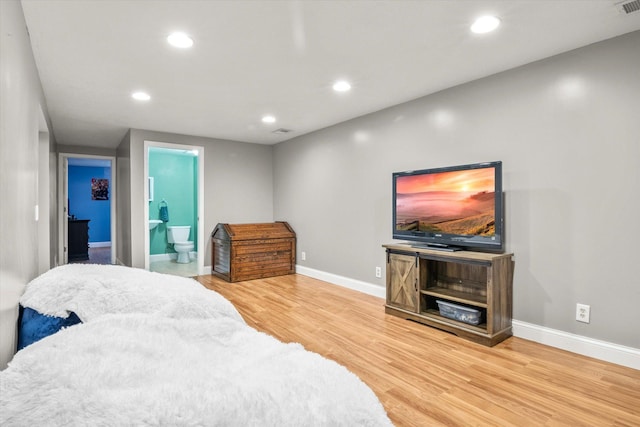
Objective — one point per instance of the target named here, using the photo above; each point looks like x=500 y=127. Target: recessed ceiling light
x=141 y=96
x=180 y=40
x=268 y=119
x=341 y=86
x=485 y=24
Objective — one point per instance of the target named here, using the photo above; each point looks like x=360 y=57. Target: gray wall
x=90 y=150
x=567 y=131
x=47 y=202
x=123 y=201
x=24 y=139
x=238 y=184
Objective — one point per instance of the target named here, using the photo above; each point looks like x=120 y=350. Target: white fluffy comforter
x=94 y=290
x=171 y=363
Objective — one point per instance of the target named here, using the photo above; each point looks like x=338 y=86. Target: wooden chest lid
x=266 y=230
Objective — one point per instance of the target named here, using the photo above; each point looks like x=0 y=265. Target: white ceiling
x=253 y=58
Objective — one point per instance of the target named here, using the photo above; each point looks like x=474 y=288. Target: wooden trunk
x=252 y=251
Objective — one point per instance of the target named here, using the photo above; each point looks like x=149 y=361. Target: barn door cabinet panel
x=252 y=251
x=428 y=286
x=403 y=271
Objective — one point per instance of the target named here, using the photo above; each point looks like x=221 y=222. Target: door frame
x=63 y=206
x=181 y=147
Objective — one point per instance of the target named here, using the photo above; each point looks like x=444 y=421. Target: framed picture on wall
x=99 y=189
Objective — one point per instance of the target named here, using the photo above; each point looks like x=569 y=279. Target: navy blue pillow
x=35 y=326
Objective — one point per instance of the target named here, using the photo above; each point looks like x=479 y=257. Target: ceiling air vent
x=281 y=130
x=629 y=6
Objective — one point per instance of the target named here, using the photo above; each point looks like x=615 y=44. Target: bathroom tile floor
x=102 y=255
x=172 y=267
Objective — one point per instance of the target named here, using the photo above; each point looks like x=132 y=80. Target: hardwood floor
x=426 y=377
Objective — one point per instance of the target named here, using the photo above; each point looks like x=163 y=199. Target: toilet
x=179 y=236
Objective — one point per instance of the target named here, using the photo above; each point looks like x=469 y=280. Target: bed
x=113 y=345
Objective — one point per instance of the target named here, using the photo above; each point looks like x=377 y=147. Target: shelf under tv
x=418 y=278
x=436 y=247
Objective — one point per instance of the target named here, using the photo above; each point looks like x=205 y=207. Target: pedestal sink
x=153 y=223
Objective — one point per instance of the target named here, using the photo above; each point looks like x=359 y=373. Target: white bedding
x=162 y=365
x=91 y=290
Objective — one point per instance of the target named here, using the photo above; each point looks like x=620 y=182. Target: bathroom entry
x=174 y=208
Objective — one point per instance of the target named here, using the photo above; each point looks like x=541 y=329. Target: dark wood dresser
x=78 y=239
x=252 y=251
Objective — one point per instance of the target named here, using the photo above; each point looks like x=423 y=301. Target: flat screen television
x=450 y=208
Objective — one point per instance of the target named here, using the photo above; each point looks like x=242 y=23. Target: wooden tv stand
x=417 y=277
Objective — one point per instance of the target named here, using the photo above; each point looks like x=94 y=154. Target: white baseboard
x=357 y=285
x=602 y=350
x=99 y=244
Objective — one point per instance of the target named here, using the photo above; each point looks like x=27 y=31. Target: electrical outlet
x=583 y=313
x=303 y=255
x=378 y=272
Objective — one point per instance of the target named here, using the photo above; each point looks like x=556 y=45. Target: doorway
x=174 y=194
x=87 y=206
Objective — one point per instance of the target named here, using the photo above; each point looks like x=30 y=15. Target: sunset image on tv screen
x=455 y=202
